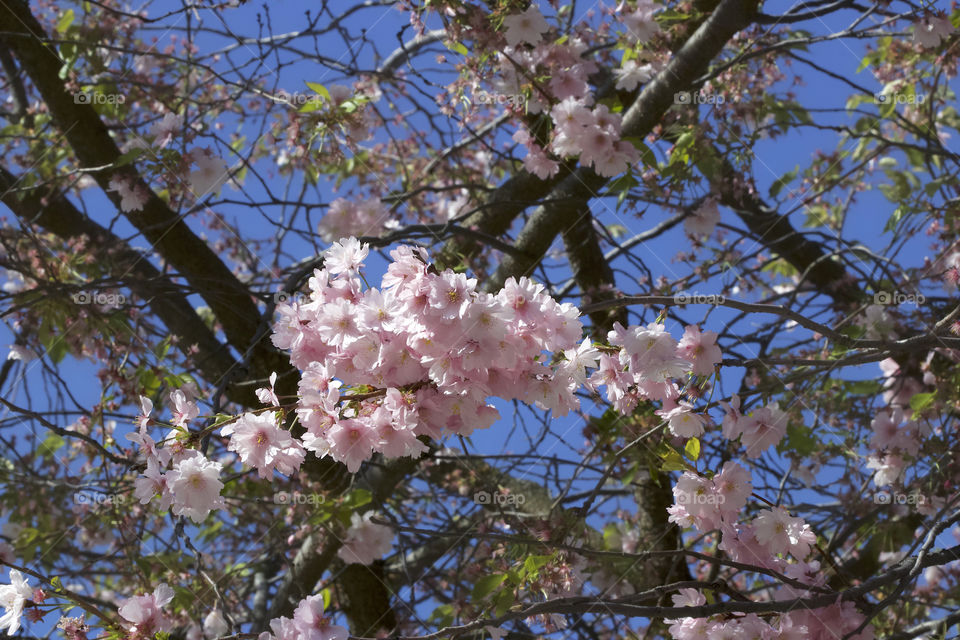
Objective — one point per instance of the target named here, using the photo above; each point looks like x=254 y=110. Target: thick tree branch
x=776 y=233
x=627 y=606
x=691 y=61
x=167 y=232
x=591 y=272
x=55 y=213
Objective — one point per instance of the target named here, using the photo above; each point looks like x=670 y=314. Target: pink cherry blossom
x=146 y=612
x=931 y=31
x=781 y=533
x=528 y=26
x=21 y=353
x=684 y=422
x=758 y=431
x=345 y=218
x=889 y=432
x=733 y=484
x=539 y=163
x=365 y=541
x=209 y=176
x=633 y=73
x=888 y=466
x=310 y=623
x=165 y=129
x=640 y=23
x=580 y=359
x=704 y=219
x=153 y=483
x=132 y=196
x=268 y=395
x=195 y=483
x=13 y=597
x=701 y=349
x=215 y=625
x=345 y=256
x=263 y=445
x=184 y=410
x=351 y=441
x=649 y=352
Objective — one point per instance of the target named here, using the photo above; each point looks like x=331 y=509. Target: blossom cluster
x=365 y=540
x=308 y=623
x=758 y=430
x=263 y=445
x=766 y=541
x=563 y=62
x=646 y=365
x=895 y=438
x=421 y=355
x=183 y=479
x=145 y=613
x=346 y=218
x=210 y=175
x=592 y=134
x=800 y=624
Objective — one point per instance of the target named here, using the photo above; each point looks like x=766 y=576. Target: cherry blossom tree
x=450 y=319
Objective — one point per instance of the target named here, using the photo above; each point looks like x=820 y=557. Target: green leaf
x=320 y=90
x=65 y=21
x=673 y=461
x=922 y=401
x=800 y=439
x=443 y=614
x=894 y=220
x=534 y=563
x=783 y=181
x=310 y=105
x=681 y=150
x=69 y=52
x=611 y=536
x=487 y=585
x=457 y=47
x=863 y=387
x=621 y=187
x=856 y=100
x=357 y=498
x=129 y=156
x=51 y=444
x=781 y=267
x=183 y=597
x=502 y=603
x=57 y=349
x=692 y=449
